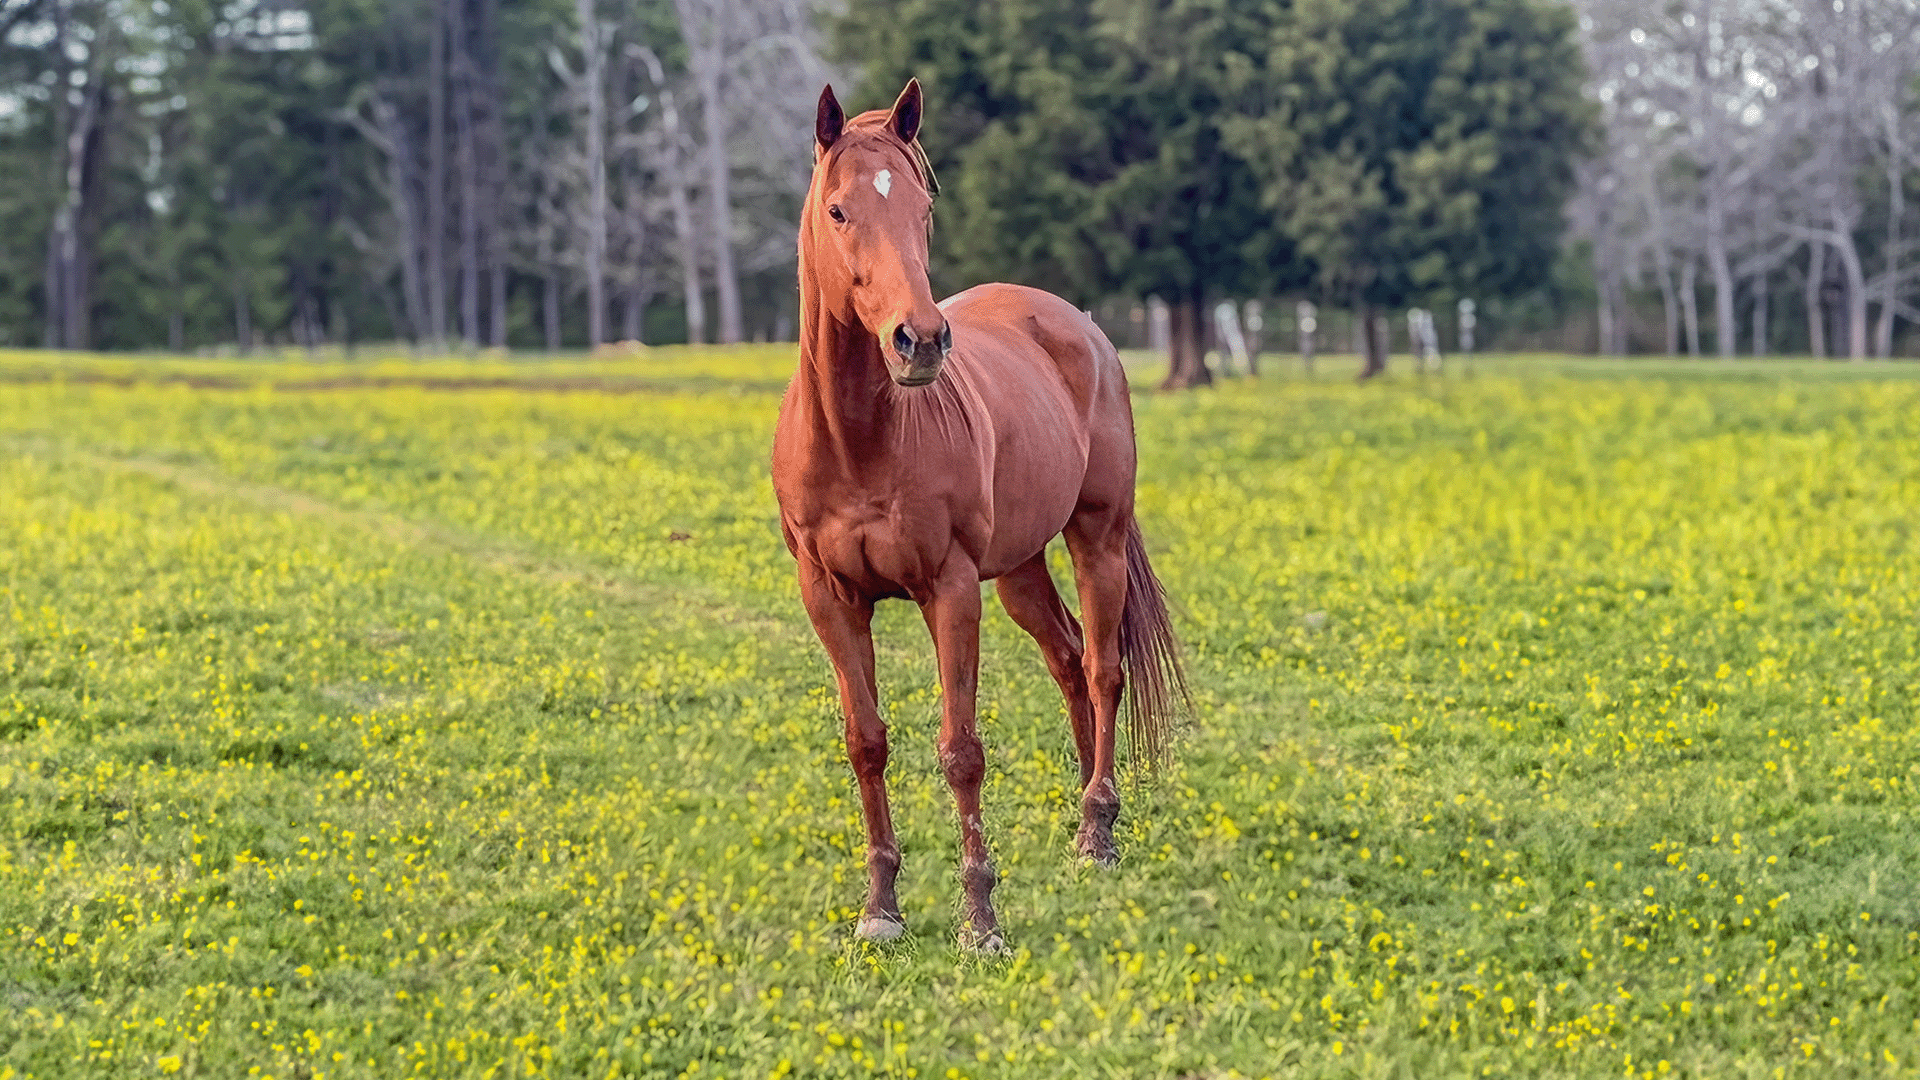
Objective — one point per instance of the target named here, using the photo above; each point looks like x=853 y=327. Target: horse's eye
x=834 y=213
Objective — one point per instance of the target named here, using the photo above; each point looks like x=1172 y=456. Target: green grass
x=1555 y=718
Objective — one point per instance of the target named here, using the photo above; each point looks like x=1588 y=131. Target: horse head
x=863 y=232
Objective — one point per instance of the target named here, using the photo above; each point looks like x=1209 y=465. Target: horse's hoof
x=879 y=928
x=987 y=944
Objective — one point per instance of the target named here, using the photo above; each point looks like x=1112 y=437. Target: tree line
x=457 y=173
x=540 y=173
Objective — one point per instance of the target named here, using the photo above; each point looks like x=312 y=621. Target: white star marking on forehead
x=882 y=182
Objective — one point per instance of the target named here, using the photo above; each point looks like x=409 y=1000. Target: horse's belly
x=1036 y=485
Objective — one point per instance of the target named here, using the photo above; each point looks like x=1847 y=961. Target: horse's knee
x=964 y=760
x=867 y=751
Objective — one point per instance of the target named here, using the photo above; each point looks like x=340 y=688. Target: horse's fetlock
x=977 y=876
x=1100 y=807
x=884 y=860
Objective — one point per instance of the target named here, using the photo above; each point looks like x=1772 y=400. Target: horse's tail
x=1150 y=659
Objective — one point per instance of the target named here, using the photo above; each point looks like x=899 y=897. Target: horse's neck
x=844 y=388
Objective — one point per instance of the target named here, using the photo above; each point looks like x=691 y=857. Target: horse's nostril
x=903 y=340
x=946 y=336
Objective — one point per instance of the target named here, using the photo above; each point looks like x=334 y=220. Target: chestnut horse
x=924 y=448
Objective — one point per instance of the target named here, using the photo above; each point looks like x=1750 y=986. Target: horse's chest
x=884 y=546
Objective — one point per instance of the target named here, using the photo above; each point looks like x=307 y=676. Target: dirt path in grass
x=557 y=384
x=483 y=551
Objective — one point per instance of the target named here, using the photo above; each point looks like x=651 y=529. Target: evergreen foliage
x=1370 y=152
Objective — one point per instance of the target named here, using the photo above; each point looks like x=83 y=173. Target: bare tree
x=709 y=28
x=79 y=116
x=387 y=132
x=767 y=45
x=436 y=233
x=467 y=163
x=671 y=151
x=1749 y=127
x=589 y=87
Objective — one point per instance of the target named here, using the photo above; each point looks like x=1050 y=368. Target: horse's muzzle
x=917 y=361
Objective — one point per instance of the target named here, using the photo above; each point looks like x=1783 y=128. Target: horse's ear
x=828 y=122
x=905 y=118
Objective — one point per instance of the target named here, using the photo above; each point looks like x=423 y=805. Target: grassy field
x=459 y=719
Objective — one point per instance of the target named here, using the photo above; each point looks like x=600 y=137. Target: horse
x=925 y=448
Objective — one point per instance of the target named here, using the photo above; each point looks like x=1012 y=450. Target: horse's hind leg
x=1034 y=604
x=1097 y=539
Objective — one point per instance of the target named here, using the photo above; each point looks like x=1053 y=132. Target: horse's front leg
x=953 y=616
x=846 y=629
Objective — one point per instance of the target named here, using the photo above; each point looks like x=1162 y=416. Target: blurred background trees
x=1758 y=153
x=1599 y=175
x=457 y=173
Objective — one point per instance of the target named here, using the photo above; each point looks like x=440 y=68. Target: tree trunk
x=1670 y=303
x=726 y=281
x=84 y=146
x=696 y=302
x=596 y=91
x=437 y=178
x=297 y=303
x=390 y=132
x=242 y=317
x=1724 y=332
x=1856 y=297
x=467 y=161
x=1373 y=339
x=1663 y=269
x=494 y=170
x=497 y=304
x=1690 y=304
x=1618 y=344
x=53 y=285
x=705 y=38
x=1186 y=341
x=1760 y=315
x=1604 y=317
x=343 y=328
x=633 y=319
x=54 y=289
x=70 y=304
x=1816 y=280
x=1896 y=210
x=1180 y=345
x=550 y=309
